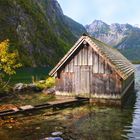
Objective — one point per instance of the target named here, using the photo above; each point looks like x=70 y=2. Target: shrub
x=48 y=83
x=40 y=85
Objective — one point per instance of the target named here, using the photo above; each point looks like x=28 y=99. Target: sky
x=109 y=11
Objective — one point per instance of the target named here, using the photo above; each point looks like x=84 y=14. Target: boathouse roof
x=113 y=57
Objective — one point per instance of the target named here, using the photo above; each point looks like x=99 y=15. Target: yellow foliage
x=8 y=60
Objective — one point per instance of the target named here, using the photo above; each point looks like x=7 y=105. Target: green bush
x=48 y=83
x=41 y=85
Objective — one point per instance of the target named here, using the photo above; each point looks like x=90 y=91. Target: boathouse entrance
x=82 y=79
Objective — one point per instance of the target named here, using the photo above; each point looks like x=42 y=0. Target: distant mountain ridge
x=124 y=37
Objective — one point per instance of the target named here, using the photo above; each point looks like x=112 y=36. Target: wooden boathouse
x=93 y=69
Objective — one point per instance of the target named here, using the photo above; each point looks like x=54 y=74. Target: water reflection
x=133 y=130
x=81 y=123
x=113 y=123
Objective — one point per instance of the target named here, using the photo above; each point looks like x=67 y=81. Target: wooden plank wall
x=126 y=82
x=87 y=72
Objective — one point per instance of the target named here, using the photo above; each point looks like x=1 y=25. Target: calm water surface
x=26 y=75
x=80 y=123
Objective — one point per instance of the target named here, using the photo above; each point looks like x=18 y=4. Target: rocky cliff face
x=38 y=29
x=124 y=37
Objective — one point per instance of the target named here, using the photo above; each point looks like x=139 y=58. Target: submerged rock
x=52 y=138
x=49 y=91
x=20 y=87
x=57 y=133
x=37 y=128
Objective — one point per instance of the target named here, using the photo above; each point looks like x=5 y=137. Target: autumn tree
x=8 y=62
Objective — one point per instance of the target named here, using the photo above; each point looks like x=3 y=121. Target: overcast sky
x=110 y=11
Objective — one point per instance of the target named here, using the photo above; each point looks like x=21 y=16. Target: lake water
x=80 y=123
x=25 y=75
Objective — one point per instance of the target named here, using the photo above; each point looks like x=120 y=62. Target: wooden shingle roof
x=113 y=57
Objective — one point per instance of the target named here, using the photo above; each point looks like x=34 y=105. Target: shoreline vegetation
x=23 y=94
x=135 y=62
x=28 y=75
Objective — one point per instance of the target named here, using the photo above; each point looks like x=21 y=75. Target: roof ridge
x=116 y=60
x=113 y=56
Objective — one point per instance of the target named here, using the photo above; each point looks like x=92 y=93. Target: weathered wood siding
x=88 y=73
x=127 y=82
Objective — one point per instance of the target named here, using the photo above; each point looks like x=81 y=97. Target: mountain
x=124 y=37
x=38 y=29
